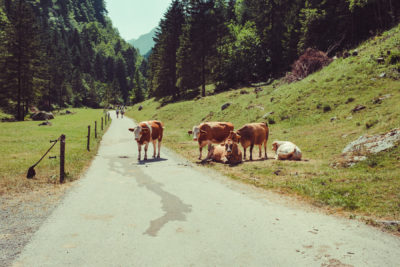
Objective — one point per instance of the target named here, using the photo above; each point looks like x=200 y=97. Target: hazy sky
x=133 y=18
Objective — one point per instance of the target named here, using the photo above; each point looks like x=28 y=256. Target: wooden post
x=102 y=123
x=62 y=158
x=95 y=129
x=88 y=139
x=109 y=116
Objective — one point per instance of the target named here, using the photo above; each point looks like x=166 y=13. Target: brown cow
x=252 y=134
x=146 y=132
x=228 y=152
x=209 y=133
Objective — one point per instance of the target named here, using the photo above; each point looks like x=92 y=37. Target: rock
x=380 y=60
x=333 y=119
x=243 y=92
x=272 y=99
x=45 y=123
x=42 y=116
x=257 y=90
x=257 y=106
x=226 y=105
x=346 y=54
x=140 y=107
x=366 y=145
x=355 y=53
x=277 y=172
x=68 y=112
x=381 y=98
x=266 y=115
x=358 y=108
x=382 y=75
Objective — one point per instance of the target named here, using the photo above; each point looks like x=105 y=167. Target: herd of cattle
x=223 y=135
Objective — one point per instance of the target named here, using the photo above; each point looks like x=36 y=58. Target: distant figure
x=117 y=112
x=286 y=150
x=122 y=112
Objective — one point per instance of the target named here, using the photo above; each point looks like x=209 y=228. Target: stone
x=225 y=106
x=333 y=119
x=140 y=107
x=379 y=100
x=243 y=92
x=380 y=60
x=358 y=108
x=257 y=90
x=45 y=123
x=366 y=145
x=355 y=53
x=382 y=75
x=42 y=116
x=266 y=115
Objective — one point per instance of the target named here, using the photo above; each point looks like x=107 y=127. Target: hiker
x=117 y=111
x=122 y=112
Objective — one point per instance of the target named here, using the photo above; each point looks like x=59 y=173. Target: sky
x=133 y=18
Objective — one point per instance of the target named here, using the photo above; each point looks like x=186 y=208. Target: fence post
x=109 y=116
x=62 y=158
x=102 y=123
x=88 y=139
x=95 y=129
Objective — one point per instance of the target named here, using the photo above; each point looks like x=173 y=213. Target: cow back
x=217 y=132
x=157 y=130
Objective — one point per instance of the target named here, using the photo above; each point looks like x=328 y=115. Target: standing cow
x=209 y=133
x=146 y=132
x=252 y=134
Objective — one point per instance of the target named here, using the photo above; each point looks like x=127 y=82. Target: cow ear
x=131 y=129
x=238 y=137
x=190 y=132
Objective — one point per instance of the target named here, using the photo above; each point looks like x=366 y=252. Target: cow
x=146 y=132
x=209 y=133
x=286 y=150
x=251 y=134
x=228 y=152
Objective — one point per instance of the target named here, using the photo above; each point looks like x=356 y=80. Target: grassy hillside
x=302 y=114
x=23 y=143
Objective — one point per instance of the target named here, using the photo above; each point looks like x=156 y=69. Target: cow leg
x=154 y=148
x=159 y=148
x=259 y=151
x=251 y=151
x=244 y=153
x=146 y=146
x=139 y=150
x=265 y=150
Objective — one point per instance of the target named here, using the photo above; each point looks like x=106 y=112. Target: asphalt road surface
x=168 y=212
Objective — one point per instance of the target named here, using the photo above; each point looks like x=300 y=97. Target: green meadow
x=22 y=144
x=316 y=114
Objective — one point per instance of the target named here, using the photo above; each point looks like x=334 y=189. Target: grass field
x=23 y=143
x=302 y=114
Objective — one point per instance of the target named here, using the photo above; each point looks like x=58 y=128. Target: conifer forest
x=61 y=53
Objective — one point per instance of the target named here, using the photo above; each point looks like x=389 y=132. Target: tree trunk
x=203 y=77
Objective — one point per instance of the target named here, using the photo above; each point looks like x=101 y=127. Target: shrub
x=394 y=58
x=311 y=61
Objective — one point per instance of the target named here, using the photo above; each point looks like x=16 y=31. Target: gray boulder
x=225 y=106
x=42 y=116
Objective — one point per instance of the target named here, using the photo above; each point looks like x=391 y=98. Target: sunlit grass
x=23 y=143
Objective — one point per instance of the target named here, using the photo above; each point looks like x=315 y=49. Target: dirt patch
x=21 y=215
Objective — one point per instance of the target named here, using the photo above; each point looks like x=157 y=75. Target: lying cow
x=209 y=133
x=225 y=153
x=252 y=134
x=146 y=132
x=286 y=150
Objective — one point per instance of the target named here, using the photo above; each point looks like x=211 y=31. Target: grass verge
x=23 y=143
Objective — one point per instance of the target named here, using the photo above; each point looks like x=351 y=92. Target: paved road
x=170 y=213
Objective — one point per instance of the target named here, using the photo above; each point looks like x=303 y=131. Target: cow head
x=138 y=132
x=234 y=137
x=275 y=145
x=229 y=146
x=195 y=132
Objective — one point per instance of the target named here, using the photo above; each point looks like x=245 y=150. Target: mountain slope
x=145 y=42
x=316 y=114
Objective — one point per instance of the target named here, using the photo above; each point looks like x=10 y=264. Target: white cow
x=286 y=150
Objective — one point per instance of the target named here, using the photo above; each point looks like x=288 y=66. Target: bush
x=394 y=58
x=311 y=61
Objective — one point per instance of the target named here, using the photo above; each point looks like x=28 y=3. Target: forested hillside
x=58 y=53
x=235 y=42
